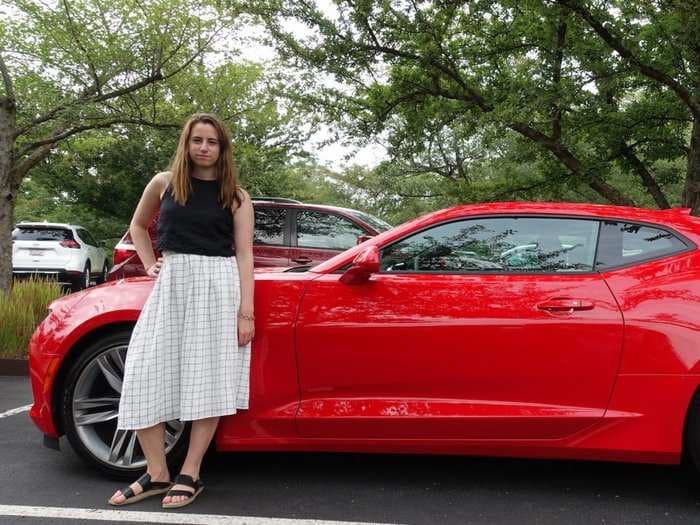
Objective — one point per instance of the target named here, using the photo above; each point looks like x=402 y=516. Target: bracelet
x=250 y=317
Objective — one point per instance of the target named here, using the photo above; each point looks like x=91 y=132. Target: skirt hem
x=158 y=420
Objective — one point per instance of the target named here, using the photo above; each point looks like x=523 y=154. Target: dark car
x=287 y=233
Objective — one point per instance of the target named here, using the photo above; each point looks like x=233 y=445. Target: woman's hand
x=246 y=331
x=154 y=269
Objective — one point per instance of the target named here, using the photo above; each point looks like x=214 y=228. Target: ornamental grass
x=21 y=311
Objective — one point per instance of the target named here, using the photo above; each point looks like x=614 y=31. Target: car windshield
x=375 y=222
x=26 y=233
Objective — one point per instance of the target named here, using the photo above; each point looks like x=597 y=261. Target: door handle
x=565 y=305
x=302 y=260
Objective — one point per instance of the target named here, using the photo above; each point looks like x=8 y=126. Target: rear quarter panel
x=658 y=375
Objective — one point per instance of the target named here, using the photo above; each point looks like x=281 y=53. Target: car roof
x=559 y=208
x=49 y=224
x=298 y=204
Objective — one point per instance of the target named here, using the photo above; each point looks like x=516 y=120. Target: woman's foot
x=146 y=486
x=183 y=492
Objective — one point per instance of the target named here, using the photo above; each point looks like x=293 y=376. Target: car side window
x=623 y=243
x=499 y=244
x=93 y=241
x=325 y=230
x=84 y=236
x=269 y=226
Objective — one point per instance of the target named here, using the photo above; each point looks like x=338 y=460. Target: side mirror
x=363 y=266
x=362 y=238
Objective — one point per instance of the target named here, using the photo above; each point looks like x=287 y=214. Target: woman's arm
x=243 y=224
x=146 y=209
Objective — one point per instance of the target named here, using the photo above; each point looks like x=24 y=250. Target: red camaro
x=514 y=329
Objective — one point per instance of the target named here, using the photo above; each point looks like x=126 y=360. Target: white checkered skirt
x=183 y=360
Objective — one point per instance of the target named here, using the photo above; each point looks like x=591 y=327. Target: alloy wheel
x=95 y=408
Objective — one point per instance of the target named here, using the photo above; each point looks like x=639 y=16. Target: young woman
x=189 y=353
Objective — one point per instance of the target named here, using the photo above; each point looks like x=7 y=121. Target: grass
x=21 y=311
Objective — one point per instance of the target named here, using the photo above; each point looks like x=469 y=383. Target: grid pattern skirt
x=183 y=360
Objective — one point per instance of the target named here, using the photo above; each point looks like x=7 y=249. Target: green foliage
x=69 y=59
x=96 y=178
x=21 y=312
x=508 y=98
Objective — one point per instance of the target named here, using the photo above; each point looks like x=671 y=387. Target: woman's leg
x=152 y=441
x=200 y=436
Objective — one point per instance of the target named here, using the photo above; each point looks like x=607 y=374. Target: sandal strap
x=187 y=481
x=184 y=479
x=146 y=485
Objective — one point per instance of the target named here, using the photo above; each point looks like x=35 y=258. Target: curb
x=14 y=367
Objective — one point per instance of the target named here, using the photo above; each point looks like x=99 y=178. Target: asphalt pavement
x=319 y=489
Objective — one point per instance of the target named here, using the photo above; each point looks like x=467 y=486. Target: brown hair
x=226 y=170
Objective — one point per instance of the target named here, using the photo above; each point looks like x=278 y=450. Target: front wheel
x=90 y=407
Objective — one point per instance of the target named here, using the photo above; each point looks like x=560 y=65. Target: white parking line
x=157 y=517
x=15 y=411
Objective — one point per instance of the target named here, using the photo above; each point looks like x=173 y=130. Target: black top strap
x=184 y=479
x=144 y=481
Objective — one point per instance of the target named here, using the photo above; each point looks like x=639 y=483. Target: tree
x=84 y=65
x=444 y=82
x=89 y=169
x=657 y=40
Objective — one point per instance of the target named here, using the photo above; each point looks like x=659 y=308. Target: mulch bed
x=14 y=367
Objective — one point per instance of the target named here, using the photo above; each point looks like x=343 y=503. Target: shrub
x=21 y=311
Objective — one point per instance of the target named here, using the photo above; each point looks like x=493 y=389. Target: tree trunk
x=9 y=188
x=691 y=193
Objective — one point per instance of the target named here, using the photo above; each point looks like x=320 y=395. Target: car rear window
x=623 y=243
x=24 y=233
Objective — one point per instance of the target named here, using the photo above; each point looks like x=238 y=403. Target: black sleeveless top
x=201 y=226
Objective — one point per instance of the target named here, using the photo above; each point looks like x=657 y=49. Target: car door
x=87 y=247
x=271 y=236
x=320 y=235
x=484 y=328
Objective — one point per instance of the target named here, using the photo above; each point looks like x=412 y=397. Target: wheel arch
x=71 y=357
x=690 y=413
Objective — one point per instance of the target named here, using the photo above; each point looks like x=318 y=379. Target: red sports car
x=514 y=329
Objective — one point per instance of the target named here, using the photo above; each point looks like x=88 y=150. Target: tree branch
x=90 y=96
x=647 y=70
x=648 y=179
x=65 y=133
x=18 y=171
x=91 y=65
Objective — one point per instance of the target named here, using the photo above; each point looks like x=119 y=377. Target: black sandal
x=149 y=488
x=184 y=479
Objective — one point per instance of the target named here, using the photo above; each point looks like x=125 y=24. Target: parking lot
x=39 y=485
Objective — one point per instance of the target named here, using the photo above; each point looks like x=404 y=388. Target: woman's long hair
x=181 y=165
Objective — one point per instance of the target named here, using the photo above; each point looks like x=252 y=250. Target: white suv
x=65 y=251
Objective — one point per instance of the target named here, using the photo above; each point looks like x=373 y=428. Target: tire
x=103 y=275
x=89 y=408
x=82 y=282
